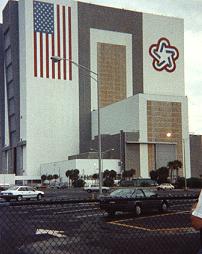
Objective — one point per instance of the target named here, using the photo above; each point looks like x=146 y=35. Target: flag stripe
x=58 y=37
x=35 y=54
x=38 y=54
x=53 y=53
x=61 y=43
x=64 y=42
x=41 y=55
x=47 y=56
x=44 y=54
x=55 y=40
x=70 y=43
x=50 y=54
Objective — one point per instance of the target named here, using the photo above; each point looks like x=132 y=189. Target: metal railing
x=76 y=227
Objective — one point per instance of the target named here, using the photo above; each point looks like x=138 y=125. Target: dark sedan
x=133 y=200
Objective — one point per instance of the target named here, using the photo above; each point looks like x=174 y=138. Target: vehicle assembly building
x=49 y=110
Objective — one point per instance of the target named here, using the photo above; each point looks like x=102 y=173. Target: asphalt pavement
x=63 y=226
x=78 y=228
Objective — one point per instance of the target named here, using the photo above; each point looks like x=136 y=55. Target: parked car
x=21 y=192
x=95 y=187
x=4 y=186
x=126 y=183
x=129 y=200
x=40 y=186
x=165 y=186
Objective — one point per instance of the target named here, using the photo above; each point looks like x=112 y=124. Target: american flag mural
x=52 y=37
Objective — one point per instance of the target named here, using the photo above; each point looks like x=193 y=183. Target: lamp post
x=57 y=59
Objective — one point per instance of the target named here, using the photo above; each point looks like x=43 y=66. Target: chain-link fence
x=82 y=227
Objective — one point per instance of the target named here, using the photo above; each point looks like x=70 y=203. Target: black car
x=133 y=200
x=126 y=183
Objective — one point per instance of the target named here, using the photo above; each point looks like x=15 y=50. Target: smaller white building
x=86 y=167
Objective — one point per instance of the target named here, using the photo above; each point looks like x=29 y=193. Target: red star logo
x=164 y=55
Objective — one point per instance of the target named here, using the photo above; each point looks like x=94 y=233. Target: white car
x=95 y=187
x=21 y=192
x=165 y=186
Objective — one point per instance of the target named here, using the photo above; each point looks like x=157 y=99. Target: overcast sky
x=191 y=12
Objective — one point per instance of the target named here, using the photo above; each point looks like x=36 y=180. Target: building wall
x=173 y=112
x=163 y=82
x=195 y=155
x=122 y=115
x=7 y=179
x=116 y=72
x=152 y=116
x=112 y=69
x=85 y=167
x=111 y=26
x=49 y=106
x=49 y=117
x=2 y=102
x=132 y=158
x=162 y=118
x=11 y=89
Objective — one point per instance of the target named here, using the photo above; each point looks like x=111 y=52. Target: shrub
x=180 y=183
x=78 y=183
x=194 y=182
x=108 y=182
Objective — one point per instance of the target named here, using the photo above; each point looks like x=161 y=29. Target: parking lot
x=81 y=227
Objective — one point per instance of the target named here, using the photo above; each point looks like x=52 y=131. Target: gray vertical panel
x=20 y=159
x=92 y=16
x=132 y=158
x=10 y=162
x=2 y=101
x=164 y=154
x=10 y=23
x=195 y=155
x=4 y=162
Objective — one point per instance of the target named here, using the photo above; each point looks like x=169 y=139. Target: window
x=9 y=73
x=22 y=189
x=149 y=193
x=8 y=56
x=139 y=194
x=11 y=106
x=7 y=41
x=10 y=89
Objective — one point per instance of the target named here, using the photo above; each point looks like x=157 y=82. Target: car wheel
x=89 y=191
x=138 y=210
x=39 y=197
x=164 y=207
x=104 y=191
x=19 y=198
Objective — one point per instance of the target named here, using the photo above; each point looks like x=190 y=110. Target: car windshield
x=13 y=188
x=149 y=193
x=124 y=193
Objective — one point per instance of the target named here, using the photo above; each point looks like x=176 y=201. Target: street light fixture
x=168 y=134
x=57 y=59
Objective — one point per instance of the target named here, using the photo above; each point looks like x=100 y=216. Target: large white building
x=49 y=111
